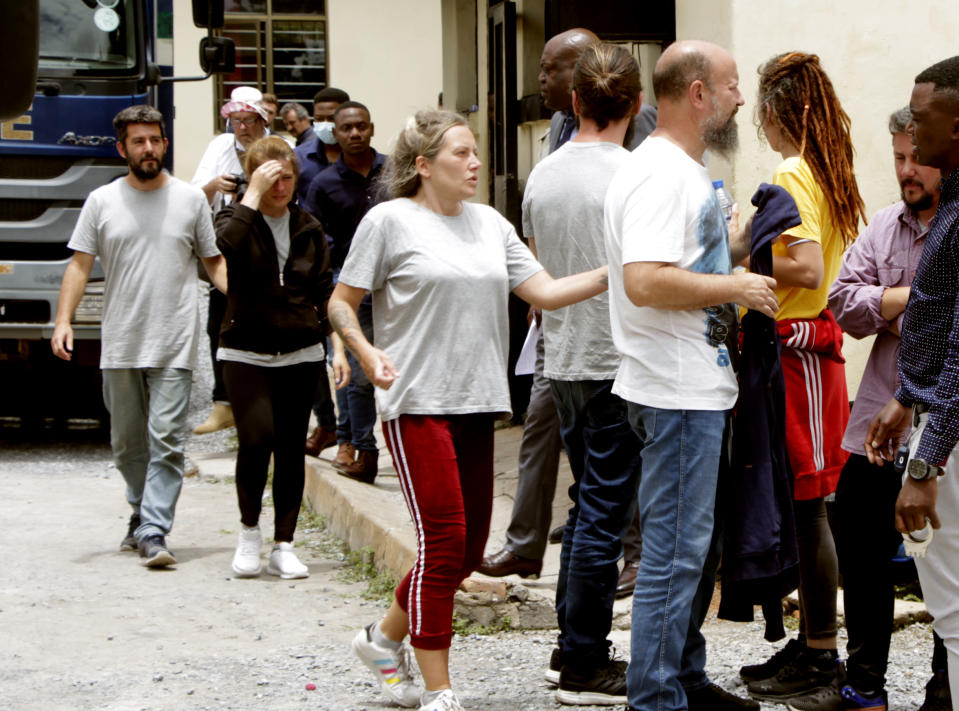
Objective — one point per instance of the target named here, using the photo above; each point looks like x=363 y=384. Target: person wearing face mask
x=339 y=198
x=314 y=156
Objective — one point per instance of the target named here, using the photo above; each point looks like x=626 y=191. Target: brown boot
x=363 y=469
x=345 y=454
x=319 y=440
x=220 y=418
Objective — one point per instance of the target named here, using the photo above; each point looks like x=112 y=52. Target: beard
x=146 y=172
x=923 y=202
x=721 y=136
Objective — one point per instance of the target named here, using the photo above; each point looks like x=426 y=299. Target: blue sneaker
x=838 y=696
x=852 y=699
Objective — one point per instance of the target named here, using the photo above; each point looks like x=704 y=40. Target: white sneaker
x=446 y=701
x=284 y=563
x=246 y=560
x=391 y=668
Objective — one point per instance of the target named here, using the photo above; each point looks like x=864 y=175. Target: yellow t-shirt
x=795 y=175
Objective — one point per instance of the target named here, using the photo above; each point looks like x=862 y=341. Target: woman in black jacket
x=271 y=345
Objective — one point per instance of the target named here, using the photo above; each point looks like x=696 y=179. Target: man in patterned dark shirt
x=929 y=365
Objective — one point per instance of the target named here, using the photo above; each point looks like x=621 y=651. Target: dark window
x=280 y=49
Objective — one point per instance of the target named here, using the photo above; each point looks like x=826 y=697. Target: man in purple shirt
x=928 y=394
x=869 y=298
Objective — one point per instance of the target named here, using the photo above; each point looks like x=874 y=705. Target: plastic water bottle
x=725 y=200
x=916 y=542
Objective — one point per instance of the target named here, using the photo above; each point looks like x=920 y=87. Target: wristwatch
x=921 y=470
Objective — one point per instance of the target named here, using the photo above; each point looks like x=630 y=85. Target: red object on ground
x=311 y=687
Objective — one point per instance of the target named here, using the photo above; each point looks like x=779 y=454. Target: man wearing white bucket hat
x=216 y=175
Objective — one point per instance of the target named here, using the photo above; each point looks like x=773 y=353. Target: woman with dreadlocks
x=802 y=119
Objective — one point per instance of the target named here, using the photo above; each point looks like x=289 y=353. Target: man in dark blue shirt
x=339 y=197
x=929 y=365
x=314 y=156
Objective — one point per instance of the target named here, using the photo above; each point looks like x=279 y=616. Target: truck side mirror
x=208 y=13
x=19 y=44
x=217 y=55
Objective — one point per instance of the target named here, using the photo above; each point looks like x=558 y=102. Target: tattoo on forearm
x=345 y=323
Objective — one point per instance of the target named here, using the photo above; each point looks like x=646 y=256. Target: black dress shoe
x=715 y=698
x=556 y=535
x=627 y=580
x=505 y=562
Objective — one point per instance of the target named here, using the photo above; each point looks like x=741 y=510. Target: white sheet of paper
x=527 y=357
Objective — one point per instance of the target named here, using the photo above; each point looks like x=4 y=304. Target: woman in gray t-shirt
x=440 y=271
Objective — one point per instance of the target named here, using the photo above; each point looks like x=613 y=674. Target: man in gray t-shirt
x=563 y=221
x=147 y=229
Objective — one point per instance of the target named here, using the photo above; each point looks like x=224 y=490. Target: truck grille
x=33 y=252
x=24 y=311
x=33 y=167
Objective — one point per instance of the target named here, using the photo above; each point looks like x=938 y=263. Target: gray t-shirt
x=563 y=212
x=440 y=287
x=147 y=242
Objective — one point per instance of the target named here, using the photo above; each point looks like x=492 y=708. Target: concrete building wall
x=193 y=125
x=871 y=49
x=389 y=56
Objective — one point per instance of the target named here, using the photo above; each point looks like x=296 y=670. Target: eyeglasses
x=248 y=122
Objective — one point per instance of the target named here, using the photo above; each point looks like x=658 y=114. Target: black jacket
x=264 y=315
x=760 y=557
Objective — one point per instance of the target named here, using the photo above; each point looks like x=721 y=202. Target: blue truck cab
x=96 y=57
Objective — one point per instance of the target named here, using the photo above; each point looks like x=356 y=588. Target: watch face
x=918 y=469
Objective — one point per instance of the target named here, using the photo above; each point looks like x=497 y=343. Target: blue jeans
x=682 y=451
x=323 y=400
x=360 y=401
x=148 y=408
x=604 y=455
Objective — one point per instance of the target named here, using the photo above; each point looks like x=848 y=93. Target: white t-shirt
x=661 y=207
x=563 y=212
x=147 y=242
x=221 y=157
x=280 y=227
x=440 y=287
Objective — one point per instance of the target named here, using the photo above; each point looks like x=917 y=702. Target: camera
x=240 y=182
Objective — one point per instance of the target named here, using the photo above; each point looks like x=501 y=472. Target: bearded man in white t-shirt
x=673 y=309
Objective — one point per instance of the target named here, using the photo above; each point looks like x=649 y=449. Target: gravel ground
x=83 y=627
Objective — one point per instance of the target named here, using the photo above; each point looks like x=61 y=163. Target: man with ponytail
x=563 y=221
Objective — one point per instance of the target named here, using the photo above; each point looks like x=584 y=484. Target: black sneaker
x=810 y=671
x=598 y=686
x=938 y=696
x=555 y=666
x=769 y=668
x=154 y=552
x=129 y=543
x=715 y=698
